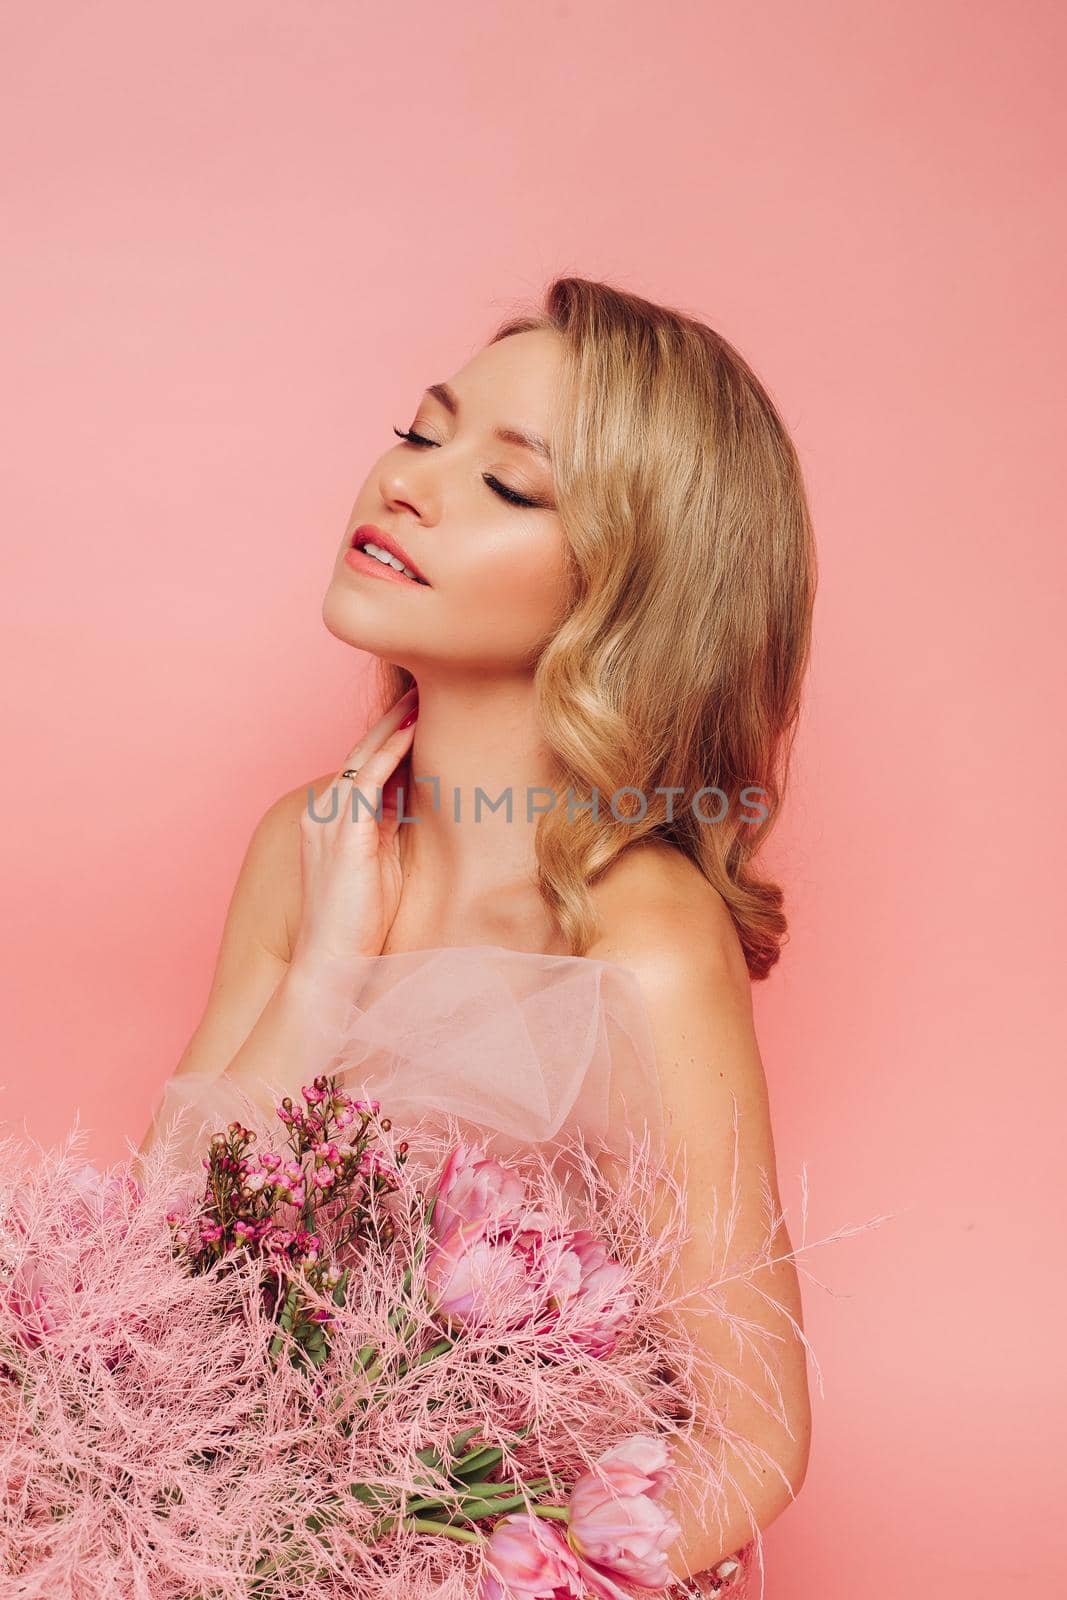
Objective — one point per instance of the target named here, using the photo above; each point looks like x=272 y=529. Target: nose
x=410 y=485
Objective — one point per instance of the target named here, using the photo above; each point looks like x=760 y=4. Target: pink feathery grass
x=154 y=1445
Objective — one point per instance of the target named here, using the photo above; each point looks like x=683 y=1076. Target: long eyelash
x=510 y=494
x=494 y=483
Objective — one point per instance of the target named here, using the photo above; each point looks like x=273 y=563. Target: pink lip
x=373 y=568
x=368 y=532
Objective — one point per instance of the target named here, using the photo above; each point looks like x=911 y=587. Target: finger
x=383 y=729
x=376 y=769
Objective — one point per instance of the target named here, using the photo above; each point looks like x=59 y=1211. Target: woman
x=587 y=570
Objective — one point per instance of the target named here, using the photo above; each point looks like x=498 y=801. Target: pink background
x=241 y=239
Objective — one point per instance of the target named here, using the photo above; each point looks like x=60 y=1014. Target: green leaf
x=478 y=1461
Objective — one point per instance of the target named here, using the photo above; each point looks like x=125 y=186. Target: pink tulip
x=640 y=1464
x=525 y=1559
x=103 y=1195
x=42 y=1295
x=473 y=1186
x=619 y=1526
x=34 y=1304
x=466 y=1272
x=587 y=1281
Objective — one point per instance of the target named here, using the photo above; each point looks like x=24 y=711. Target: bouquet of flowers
x=349 y=1367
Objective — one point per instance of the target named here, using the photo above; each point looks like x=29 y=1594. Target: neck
x=476 y=745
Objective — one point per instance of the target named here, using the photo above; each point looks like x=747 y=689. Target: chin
x=354 y=622
x=347 y=621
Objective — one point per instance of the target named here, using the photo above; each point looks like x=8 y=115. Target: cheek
x=519 y=582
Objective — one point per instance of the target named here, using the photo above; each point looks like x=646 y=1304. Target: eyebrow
x=521 y=436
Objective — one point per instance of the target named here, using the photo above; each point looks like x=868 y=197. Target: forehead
x=514 y=381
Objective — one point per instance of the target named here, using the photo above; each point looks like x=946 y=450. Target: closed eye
x=511 y=495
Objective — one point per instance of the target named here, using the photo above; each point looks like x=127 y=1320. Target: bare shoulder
x=290 y=806
x=658 y=911
x=662 y=920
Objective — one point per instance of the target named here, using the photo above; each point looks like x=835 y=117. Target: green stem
x=480 y=1494
x=420 y=1246
x=431 y=1354
x=473 y=1510
x=485 y=1491
x=285 y=1321
x=373 y=1367
x=425 y=1525
x=363 y=1359
x=375 y=1370
x=432 y=1457
x=478 y=1459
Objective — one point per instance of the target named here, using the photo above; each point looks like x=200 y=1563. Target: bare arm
x=255 y=1008
x=699 y=1007
x=313 y=895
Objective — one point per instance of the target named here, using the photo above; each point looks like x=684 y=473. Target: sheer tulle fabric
x=521 y=1048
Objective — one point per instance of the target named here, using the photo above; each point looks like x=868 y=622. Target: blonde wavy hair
x=681 y=656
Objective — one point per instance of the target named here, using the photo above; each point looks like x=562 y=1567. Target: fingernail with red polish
x=409 y=719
